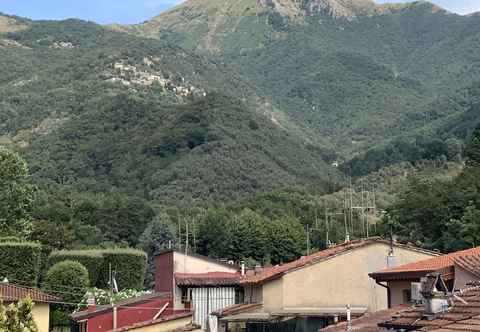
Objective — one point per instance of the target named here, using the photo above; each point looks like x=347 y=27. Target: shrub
x=68 y=280
x=10 y=239
x=17 y=317
x=91 y=259
x=20 y=262
x=130 y=266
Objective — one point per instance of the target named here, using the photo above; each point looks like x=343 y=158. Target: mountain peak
x=9 y=24
x=334 y=8
x=339 y=8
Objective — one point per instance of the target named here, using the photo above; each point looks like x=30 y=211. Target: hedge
x=20 y=262
x=91 y=259
x=67 y=275
x=130 y=265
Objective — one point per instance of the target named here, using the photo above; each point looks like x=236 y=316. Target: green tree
x=159 y=235
x=16 y=195
x=287 y=240
x=17 y=317
x=472 y=151
x=68 y=280
x=52 y=235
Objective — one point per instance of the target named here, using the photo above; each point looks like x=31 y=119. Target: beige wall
x=463 y=277
x=188 y=264
x=396 y=291
x=164 y=326
x=41 y=316
x=273 y=293
x=338 y=281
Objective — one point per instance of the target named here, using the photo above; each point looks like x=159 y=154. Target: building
x=440 y=311
x=140 y=313
x=10 y=293
x=312 y=292
x=457 y=269
x=197 y=283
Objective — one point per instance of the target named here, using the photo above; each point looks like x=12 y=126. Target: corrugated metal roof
x=13 y=293
x=278 y=271
x=427 y=265
x=207 y=279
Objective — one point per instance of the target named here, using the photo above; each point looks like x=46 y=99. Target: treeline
x=404 y=150
x=440 y=214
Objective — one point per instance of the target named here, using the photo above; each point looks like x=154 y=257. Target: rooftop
x=464 y=315
x=85 y=314
x=12 y=293
x=207 y=279
x=277 y=271
x=423 y=267
x=160 y=321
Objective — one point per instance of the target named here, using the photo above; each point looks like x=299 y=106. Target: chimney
x=243 y=269
x=258 y=269
x=435 y=295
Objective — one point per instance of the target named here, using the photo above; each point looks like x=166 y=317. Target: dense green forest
x=140 y=136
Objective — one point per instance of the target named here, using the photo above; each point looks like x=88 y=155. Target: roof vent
x=435 y=294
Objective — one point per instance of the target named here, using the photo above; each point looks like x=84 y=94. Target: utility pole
x=327 y=228
x=351 y=206
x=308 y=240
x=186 y=236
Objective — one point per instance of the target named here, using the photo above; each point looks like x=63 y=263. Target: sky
x=137 y=11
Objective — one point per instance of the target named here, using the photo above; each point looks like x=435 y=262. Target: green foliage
x=16 y=196
x=20 y=262
x=440 y=214
x=159 y=235
x=68 y=280
x=52 y=235
x=129 y=265
x=17 y=317
x=472 y=151
x=103 y=297
x=92 y=260
x=248 y=236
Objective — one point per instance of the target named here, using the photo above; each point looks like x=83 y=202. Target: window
x=186 y=295
x=82 y=326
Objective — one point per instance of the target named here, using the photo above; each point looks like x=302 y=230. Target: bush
x=91 y=259
x=10 y=239
x=68 y=280
x=130 y=265
x=20 y=262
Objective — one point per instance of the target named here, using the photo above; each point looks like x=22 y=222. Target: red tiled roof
x=462 y=316
x=278 y=271
x=207 y=279
x=12 y=293
x=427 y=265
x=159 y=321
x=471 y=263
x=368 y=322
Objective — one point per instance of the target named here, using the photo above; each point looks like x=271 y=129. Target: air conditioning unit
x=416 y=288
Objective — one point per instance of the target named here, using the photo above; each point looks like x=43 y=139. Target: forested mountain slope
x=352 y=72
x=101 y=109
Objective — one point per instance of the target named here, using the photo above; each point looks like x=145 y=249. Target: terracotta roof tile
x=279 y=270
x=431 y=264
x=207 y=279
x=158 y=322
x=461 y=317
x=471 y=263
x=11 y=293
x=237 y=309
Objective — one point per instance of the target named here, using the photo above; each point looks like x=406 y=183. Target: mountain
x=102 y=111
x=356 y=74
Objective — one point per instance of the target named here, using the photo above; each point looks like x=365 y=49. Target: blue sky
x=136 y=11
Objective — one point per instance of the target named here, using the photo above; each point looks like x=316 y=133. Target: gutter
x=389 y=293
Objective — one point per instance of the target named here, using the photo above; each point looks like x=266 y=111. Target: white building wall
x=207 y=300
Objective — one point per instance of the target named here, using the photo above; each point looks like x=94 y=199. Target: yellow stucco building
x=10 y=293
